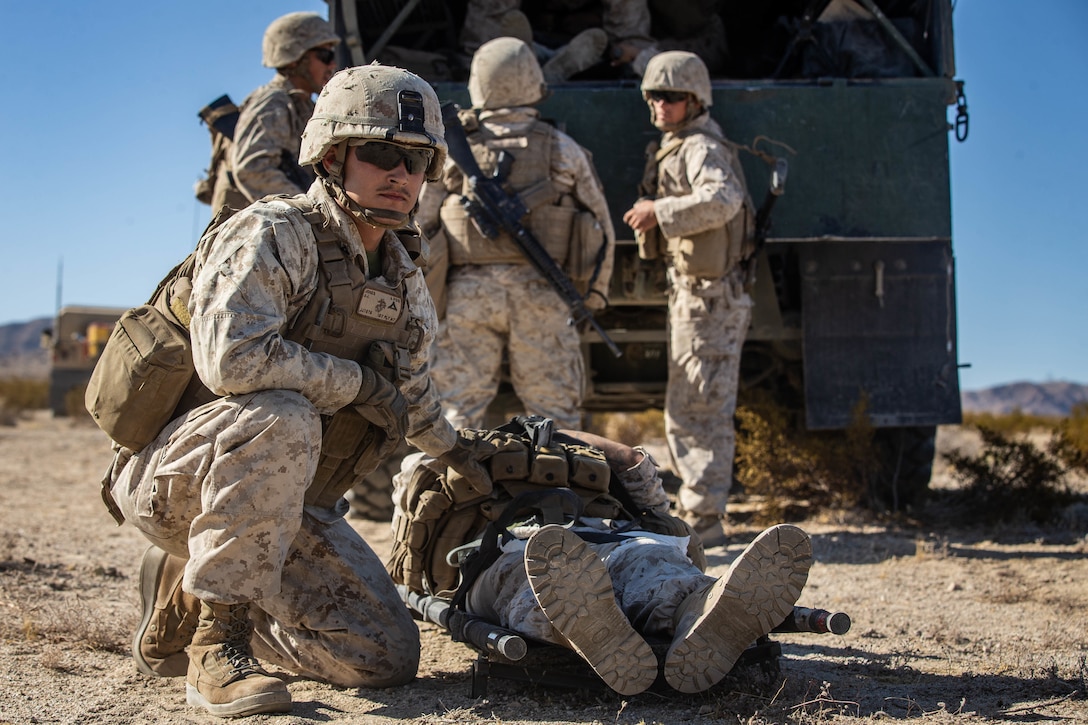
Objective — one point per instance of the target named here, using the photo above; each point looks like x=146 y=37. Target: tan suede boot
x=224 y=678
x=717 y=623
x=572 y=586
x=169 y=616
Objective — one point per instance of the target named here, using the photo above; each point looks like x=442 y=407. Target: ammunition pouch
x=713 y=253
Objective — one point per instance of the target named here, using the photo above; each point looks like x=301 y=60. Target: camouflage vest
x=436 y=514
x=350 y=317
x=551 y=214
x=713 y=253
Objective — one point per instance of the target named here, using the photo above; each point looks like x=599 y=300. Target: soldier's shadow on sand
x=851 y=547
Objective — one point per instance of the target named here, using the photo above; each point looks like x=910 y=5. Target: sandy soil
x=957 y=625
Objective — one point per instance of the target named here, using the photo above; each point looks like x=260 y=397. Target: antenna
x=60 y=281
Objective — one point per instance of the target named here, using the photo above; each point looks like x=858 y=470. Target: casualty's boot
x=224 y=678
x=169 y=616
x=572 y=586
x=716 y=624
x=584 y=51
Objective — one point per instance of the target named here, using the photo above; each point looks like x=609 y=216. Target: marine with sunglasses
x=496 y=300
x=301 y=47
x=311 y=326
x=696 y=216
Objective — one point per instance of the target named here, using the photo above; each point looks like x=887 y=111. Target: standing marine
x=263 y=157
x=496 y=301
x=695 y=211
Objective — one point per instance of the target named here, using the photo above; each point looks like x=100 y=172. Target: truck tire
x=906 y=465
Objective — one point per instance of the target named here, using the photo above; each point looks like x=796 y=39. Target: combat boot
x=572 y=587
x=709 y=528
x=169 y=616
x=224 y=678
x=584 y=51
x=717 y=623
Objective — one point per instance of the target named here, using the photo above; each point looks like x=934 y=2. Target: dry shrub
x=633 y=429
x=1011 y=423
x=779 y=460
x=1070 y=441
x=18 y=395
x=1008 y=481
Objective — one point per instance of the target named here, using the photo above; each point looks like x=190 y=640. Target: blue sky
x=104 y=146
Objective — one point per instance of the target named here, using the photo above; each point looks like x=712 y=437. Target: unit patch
x=380 y=305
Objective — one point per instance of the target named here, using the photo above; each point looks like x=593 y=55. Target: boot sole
x=572 y=586
x=150 y=569
x=250 y=705
x=755 y=596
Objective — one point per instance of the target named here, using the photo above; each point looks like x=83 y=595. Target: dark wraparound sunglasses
x=325 y=55
x=666 y=96
x=387 y=156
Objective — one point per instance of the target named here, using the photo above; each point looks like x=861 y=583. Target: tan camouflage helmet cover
x=504 y=72
x=678 y=70
x=366 y=102
x=288 y=38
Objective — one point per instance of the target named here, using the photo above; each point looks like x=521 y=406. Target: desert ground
x=957 y=625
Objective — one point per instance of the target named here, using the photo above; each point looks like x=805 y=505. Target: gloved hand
x=381 y=403
x=464 y=459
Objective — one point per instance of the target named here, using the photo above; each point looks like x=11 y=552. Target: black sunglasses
x=387 y=156
x=325 y=55
x=667 y=96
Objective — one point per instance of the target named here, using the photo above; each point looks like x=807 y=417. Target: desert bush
x=780 y=461
x=1070 y=441
x=1011 y=423
x=1009 y=480
x=632 y=429
x=18 y=395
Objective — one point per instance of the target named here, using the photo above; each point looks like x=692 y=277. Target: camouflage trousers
x=223 y=487
x=708 y=320
x=651 y=576
x=494 y=308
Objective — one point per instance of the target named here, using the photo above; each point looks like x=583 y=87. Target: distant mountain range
x=21 y=355
x=1052 y=399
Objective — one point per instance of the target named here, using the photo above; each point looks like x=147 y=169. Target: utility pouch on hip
x=140 y=378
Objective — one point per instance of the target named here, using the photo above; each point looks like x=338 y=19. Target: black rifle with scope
x=494 y=210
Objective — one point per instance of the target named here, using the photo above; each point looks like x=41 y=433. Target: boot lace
x=236 y=650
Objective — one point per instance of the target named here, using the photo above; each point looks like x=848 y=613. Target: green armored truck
x=855 y=285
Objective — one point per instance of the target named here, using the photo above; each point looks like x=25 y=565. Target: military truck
x=855 y=288
x=79 y=333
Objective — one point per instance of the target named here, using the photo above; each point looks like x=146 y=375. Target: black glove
x=381 y=403
x=464 y=459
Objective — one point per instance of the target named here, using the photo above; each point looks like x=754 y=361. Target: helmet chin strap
x=381 y=218
x=333 y=181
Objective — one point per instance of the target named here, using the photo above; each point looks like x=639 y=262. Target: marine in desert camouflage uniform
x=626 y=28
x=252 y=554
x=496 y=301
x=267 y=137
x=605 y=586
x=696 y=204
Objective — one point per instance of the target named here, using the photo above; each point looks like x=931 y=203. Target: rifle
x=464 y=627
x=493 y=210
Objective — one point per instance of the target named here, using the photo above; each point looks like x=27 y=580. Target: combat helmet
x=288 y=38
x=377 y=102
x=504 y=72
x=678 y=70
